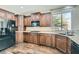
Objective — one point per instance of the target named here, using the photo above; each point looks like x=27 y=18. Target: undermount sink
x=62 y=33
x=68 y=34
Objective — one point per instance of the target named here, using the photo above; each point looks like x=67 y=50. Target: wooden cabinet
x=9 y=16
x=35 y=16
x=2 y=14
x=45 y=20
x=62 y=43
x=48 y=38
x=34 y=38
x=42 y=39
x=56 y=41
x=45 y=39
x=53 y=40
x=27 y=21
x=31 y=38
x=26 y=37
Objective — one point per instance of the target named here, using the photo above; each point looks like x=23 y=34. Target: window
x=66 y=21
x=57 y=21
x=62 y=21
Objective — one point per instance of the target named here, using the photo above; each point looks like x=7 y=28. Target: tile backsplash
x=42 y=29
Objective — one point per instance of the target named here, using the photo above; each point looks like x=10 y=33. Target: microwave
x=35 y=23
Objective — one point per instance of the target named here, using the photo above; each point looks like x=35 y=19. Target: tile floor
x=28 y=48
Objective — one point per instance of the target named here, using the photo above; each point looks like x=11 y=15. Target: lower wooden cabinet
x=26 y=37
x=42 y=39
x=62 y=43
x=33 y=38
x=48 y=39
x=56 y=41
x=53 y=41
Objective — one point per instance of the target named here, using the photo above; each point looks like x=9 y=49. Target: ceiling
x=28 y=9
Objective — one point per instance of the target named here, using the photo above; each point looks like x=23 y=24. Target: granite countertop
x=74 y=38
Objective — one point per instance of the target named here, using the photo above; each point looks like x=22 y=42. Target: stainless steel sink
x=62 y=33
x=66 y=34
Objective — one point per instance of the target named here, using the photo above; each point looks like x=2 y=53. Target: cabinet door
x=53 y=41
x=61 y=43
x=48 y=39
x=42 y=39
x=10 y=16
x=45 y=20
x=2 y=14
x=33 y=38
x=35 y=16
x=27 y=21
x=26 y=37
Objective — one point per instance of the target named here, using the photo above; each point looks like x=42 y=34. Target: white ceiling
x=28 y=9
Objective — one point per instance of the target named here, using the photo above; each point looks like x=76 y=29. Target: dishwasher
x=74 y=48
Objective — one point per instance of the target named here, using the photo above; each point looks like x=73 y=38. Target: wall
x=75 y=18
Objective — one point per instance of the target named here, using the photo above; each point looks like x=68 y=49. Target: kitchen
x=41 y=29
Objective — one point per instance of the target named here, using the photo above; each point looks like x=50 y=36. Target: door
x=26 y=37
x=61 y=43
x=33 y=38
x=27 y=21
x=45 y=19
x=42 y=39
x=53 y=41
x=48 y=39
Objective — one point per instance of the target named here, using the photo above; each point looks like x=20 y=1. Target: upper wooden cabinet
x=45 y=19
x=2 y=14
x=35 y=16
x=10 y=16
x=27 y=21
x=7 y=15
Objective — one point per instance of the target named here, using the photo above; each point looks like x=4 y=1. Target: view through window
x=62 y=21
